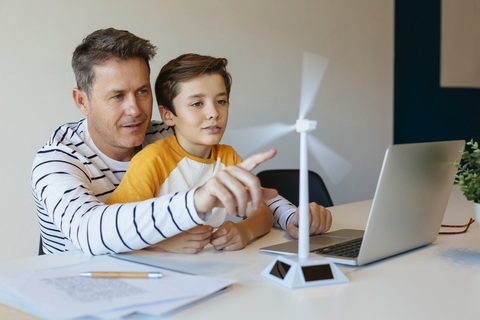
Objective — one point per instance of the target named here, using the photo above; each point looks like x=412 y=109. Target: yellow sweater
x=163 y=167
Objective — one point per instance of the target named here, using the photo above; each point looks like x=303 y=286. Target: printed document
x=61 y=293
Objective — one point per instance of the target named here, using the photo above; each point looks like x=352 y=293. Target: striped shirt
x=71 y=179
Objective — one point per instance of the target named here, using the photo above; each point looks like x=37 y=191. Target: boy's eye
x=222 y=102
x=196 y=104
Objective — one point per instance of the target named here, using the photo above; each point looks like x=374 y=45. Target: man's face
x=202 y=114
x=120 y=108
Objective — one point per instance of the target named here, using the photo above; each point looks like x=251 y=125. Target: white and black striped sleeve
x=64 y=200
x=282 y=210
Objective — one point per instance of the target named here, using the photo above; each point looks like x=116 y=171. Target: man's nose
x=132 y=108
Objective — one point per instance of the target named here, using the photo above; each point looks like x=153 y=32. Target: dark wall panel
x=424 y=111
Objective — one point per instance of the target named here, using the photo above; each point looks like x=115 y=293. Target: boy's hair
x=103 y=45
x=184 y=68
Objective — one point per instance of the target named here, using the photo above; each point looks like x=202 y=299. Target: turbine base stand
x=292 y=272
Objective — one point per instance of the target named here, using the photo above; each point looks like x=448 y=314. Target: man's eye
x=143 y=92
x=117 y=97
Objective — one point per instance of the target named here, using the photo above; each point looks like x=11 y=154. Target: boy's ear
x=81 y=101
x=167 y=116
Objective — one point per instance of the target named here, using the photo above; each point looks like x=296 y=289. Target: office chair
x=286 y=182
x=40 y=248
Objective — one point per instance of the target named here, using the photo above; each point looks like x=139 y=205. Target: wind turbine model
x=305 y=269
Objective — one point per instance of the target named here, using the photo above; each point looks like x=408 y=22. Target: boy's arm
x=235 y=236
x=190 y=241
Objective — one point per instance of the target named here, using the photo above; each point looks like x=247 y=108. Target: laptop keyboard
x=348 y=249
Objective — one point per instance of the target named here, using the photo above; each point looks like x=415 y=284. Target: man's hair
x=183 y=69
x=103 y=45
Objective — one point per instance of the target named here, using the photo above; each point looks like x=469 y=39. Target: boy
x=193 y=96
x=192 y=92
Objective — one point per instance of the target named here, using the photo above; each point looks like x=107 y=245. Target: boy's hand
x=234 y=187
x=319 y=217
x=230 y=236
x=190 y=241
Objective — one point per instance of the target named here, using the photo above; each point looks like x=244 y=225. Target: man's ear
x=81 y=101
x=167 y=116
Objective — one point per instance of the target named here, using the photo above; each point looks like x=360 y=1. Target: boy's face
x=202 y=114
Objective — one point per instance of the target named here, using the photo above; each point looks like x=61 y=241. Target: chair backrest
x=286 y=182
x=40 y=247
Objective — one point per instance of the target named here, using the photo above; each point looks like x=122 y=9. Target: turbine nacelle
x=305 y=125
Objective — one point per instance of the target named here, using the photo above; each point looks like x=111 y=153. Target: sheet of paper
x=62 y=293
x=205 y=287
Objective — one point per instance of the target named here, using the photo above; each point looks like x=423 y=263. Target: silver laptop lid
x=411 y=197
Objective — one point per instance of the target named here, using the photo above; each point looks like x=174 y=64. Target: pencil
x=100 y=274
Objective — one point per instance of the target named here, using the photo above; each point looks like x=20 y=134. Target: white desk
x=439 y=281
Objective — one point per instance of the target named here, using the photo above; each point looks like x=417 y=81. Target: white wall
x=263 y=40
x=460 y=42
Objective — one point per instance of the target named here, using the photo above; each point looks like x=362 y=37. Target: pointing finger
x=253 y=161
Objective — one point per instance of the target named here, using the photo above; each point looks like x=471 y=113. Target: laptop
x=407 y=210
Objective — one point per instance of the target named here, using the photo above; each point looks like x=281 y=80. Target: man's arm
x=285 y=216
x=320 y=220
x=234 y=187
x=62 y=191
x=62 y=188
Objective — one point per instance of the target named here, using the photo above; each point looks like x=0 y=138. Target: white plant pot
x=476 y=212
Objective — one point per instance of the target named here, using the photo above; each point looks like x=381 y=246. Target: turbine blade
x=312 y=73
x=334 y=166
x=247 y=141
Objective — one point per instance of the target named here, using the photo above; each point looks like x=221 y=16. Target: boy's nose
x=212 y=112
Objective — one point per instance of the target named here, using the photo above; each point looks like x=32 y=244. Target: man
x=83 y=162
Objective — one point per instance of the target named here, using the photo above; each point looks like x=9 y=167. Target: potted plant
x=468 y=175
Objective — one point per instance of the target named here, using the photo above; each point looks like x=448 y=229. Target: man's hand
x=234 y=187
x=190 y=241
x=320 y=220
